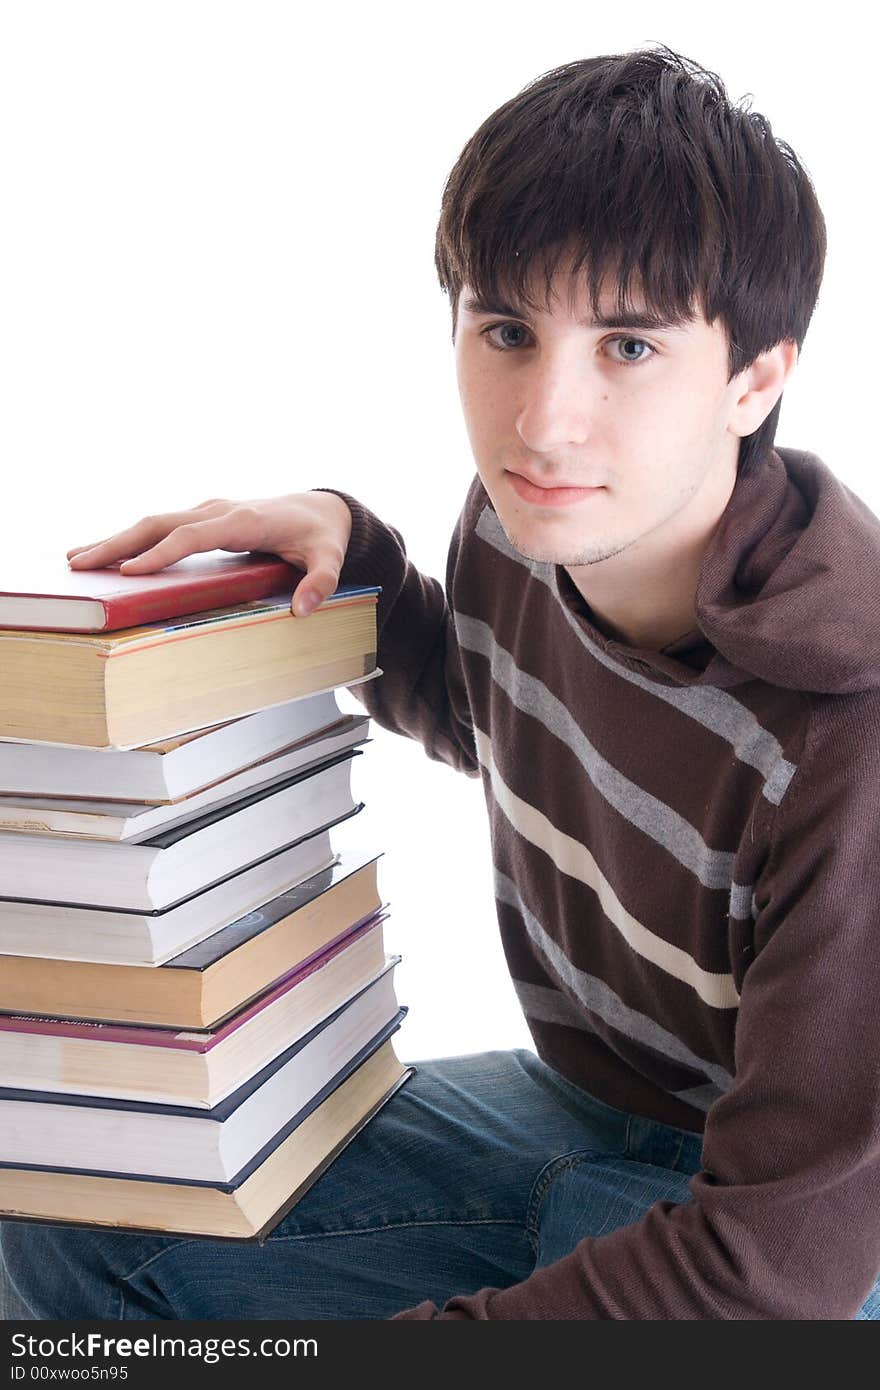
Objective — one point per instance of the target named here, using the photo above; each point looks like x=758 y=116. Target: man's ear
x=760 y=386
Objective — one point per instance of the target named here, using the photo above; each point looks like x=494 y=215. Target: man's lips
x=557 y=495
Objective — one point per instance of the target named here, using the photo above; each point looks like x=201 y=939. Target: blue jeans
x=480 y=1170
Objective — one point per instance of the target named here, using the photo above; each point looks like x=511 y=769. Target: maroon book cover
x=46 y=595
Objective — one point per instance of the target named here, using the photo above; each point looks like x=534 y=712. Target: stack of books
x=196 y=1005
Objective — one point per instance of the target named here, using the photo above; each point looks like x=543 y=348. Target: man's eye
x=504 y=329
x=626 y=360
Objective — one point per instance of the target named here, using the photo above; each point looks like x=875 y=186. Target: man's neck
x=644 y=595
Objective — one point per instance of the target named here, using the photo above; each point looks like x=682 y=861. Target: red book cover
x=45 y=594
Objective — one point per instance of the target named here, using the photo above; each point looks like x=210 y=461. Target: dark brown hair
x=640 y=162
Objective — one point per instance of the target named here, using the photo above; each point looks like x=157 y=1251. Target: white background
x=216 y=279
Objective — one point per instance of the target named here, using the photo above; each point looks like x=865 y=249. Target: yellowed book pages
x=95 y=1066
x=165 y=997
x=139 y=685
x=250 y=1210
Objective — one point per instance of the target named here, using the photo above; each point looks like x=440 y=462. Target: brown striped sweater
x=687 y=874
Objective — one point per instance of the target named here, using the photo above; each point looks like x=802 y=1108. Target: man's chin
x=531 y=549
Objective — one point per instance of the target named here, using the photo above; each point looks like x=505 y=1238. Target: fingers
x=132 y=541
x=191 y=538
x=138 y=555
x=78 y=549
x=321 y=580
x=136 y=540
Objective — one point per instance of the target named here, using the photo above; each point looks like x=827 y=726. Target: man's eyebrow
x=476 y=304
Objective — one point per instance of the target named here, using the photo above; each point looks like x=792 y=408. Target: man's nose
x=557 y=404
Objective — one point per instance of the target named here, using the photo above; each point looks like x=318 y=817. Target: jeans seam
x=549 y=1173
x=636 y=1157
x=157 y=1255
x=321 y=1235
x=398 y=1226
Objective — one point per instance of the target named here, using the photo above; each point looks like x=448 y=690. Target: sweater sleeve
x=421 y=692
x=784 y=1221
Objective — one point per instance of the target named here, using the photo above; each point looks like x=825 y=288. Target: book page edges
x=126 y=728
x=227 y=1216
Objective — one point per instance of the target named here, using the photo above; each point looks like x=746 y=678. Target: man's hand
x=308 y=529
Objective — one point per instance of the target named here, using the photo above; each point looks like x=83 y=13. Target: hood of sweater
x=789 y=590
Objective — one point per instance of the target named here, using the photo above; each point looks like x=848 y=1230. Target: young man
x=658 y=647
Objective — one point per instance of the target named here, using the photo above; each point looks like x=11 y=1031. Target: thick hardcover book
x=244 y=1210
x=127 y=688
x=132 y=823
x=225 y=1143
x=207 y=983
x=98 y=936
x=43 y=593
x=187 y=1040
x=196 y=1068
x=185 y=859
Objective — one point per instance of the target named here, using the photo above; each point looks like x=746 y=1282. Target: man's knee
x=68 y=1272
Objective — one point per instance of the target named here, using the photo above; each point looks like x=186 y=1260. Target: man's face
x=637 y=417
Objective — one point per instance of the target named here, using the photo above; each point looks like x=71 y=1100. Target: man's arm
x=421 y=692
x=785 y=1217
